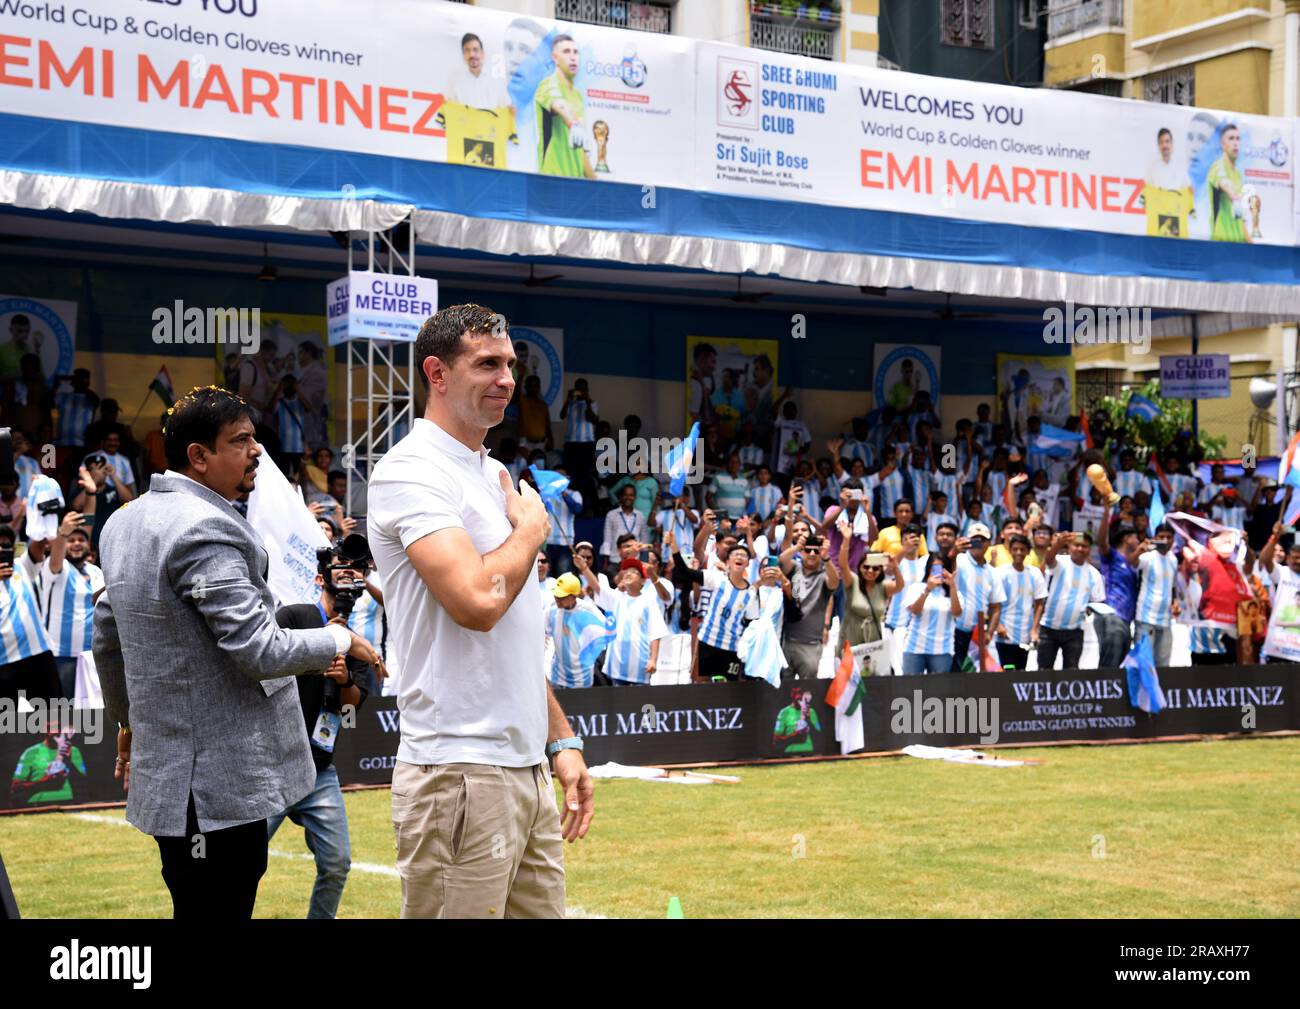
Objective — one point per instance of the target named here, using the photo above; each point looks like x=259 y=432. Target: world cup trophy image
x=1251 y=204
x=1097 y=475
x=600 y=133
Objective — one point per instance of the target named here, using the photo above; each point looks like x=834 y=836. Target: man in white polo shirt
x=474 y=812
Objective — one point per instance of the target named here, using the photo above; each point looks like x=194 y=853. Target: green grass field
x=1175 y=830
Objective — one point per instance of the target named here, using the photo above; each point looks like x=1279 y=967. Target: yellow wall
x=1237 y=82
x=1076 y=60
x=1154 y=17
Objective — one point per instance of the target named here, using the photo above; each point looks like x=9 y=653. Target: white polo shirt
x=465 y=696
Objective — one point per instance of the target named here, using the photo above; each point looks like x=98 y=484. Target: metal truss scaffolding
x=381 y=392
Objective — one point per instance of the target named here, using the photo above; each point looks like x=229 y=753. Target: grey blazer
x=191 y=657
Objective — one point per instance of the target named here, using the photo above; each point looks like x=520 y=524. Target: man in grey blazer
x=195 y=668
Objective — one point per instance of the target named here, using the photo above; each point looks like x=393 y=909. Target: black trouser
x=718 y=662
x=36 y=676
x=961 y=648
x=1012 y=656
x=1068 y=643
x=214 y=874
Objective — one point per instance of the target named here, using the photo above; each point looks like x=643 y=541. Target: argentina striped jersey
x=1070 y=588
x=69 y=598
x=978 y=587
x=930 y=633
x=911 y=571
x=1156 y=593
x=726 y=611
x=1020 y=589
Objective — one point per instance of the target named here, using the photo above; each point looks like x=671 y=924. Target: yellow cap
x=567 y=585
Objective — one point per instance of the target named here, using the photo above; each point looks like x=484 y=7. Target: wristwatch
x=572 y=743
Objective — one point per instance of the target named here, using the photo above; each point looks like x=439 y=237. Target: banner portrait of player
x=907 y=376
x=1034 y=386
x=731 y=382
x=36 y=326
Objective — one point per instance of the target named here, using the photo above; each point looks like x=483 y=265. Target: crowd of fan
x=892 y=533
x=889 y=531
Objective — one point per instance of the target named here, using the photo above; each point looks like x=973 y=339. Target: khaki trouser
x=478 y=841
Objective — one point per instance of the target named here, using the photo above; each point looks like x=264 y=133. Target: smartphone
x=771 y=561
x=7 y=556
x=878 y=560
x=722 y=516
x=857 y=495
x=644 y=556
x=813 y=542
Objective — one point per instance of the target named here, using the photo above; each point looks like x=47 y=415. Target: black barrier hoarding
x=752 y=721
x=962 y=709
x=700 y=723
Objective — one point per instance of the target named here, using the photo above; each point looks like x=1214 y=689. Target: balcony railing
x=644 y=17
x=1067 y=16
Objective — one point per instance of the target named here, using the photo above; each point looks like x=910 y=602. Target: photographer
x=329 y=702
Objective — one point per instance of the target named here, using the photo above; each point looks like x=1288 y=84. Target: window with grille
x=1171 y=87
x=966 y=23
x=643 y=17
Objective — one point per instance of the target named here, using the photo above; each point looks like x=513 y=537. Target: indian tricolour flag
x=162 y=385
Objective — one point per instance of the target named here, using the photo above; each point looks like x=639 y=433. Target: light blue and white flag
x=1058 y=443
x=760 y=650
x=1142 y=408
x=1143 y=683
x=550 y=484
x=594 y=630
x=678 y=460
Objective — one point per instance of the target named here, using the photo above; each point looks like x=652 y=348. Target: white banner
x=448 y=82
x=786 y=127
x=378 y=306
x=290 y=534
x=1195 y=376
x=429 y=81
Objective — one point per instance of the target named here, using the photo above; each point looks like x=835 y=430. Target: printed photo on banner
x=539 y=367
x=37 y=326
x=288 y=380
x=731 y=382
x=1034 y=386
x=907 y=377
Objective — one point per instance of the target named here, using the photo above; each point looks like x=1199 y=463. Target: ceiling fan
x=536 y=281
x=748 y=297
x=948 y=315
x=268 y=271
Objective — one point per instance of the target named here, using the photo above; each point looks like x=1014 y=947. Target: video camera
x=352 y=553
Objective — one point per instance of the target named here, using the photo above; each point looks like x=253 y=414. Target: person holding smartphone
x=26 y=657
x=932 y=606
